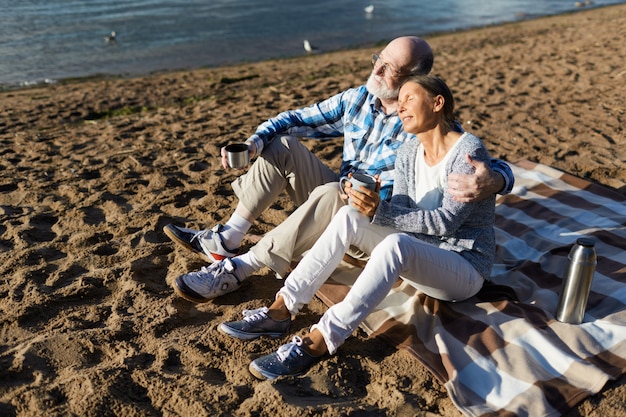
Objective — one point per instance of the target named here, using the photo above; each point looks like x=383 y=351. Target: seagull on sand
x=308 y=47
x=110 y=38
x=369 y=9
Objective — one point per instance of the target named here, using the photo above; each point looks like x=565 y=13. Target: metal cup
x=237 y=155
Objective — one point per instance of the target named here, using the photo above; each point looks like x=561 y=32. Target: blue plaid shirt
x=371 y=137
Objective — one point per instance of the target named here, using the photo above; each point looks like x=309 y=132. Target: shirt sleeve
x=498 y=166
x=504 y=169
x=320 y=120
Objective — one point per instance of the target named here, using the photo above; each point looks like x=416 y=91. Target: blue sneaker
x=256 y=323
x=290 y=359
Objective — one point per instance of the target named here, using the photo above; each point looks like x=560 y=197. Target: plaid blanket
x=503 y=351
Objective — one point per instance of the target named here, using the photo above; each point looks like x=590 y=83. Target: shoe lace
x=290 y=349
x=217 y=271
x=256 y=314
x=211 y=234
x=201 y=235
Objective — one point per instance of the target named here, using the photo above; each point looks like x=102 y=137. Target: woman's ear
x=438 y=103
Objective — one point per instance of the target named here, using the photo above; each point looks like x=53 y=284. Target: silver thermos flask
x=577 y=282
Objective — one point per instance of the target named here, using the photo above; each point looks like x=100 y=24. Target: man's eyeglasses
x=376 y=61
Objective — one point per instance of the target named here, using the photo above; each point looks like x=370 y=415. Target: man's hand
x=251 y=153
x=475 y=187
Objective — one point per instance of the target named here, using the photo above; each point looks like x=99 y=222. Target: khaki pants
x=287 y=165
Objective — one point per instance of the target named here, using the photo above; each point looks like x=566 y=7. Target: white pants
x=436 y=272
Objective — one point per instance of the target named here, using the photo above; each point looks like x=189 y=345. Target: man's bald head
x=413 y=54
x=402 y=57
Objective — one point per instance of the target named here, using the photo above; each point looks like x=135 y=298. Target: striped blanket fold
x=503 y=352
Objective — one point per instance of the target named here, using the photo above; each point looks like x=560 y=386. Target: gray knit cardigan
x=466 y=228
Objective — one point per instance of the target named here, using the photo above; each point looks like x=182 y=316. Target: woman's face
x=416 y=108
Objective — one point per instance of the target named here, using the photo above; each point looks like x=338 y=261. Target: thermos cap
x=585 y=241
x=583 y=252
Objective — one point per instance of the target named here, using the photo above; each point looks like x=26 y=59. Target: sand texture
x=91 y=171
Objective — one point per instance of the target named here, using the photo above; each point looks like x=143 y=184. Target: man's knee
x=279 y=153
x=280 y=144
x=289 y=141
x=326 y=193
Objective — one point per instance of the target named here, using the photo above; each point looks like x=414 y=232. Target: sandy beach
x=91 y=170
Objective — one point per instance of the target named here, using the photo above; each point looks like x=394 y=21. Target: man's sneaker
x=184 y=237
x=256 y=323
x=289 y=359
x=204 y=242
x=208 y=283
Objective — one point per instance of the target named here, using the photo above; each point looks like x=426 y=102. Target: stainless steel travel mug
x=577 y=282
x=237 y=155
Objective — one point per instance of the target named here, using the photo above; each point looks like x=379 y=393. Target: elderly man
x=367 y=118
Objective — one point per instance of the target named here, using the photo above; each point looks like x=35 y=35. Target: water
x=47 y=40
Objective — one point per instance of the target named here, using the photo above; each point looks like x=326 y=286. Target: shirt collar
x=376 y=106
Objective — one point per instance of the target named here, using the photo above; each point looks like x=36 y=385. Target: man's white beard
x=377 y=86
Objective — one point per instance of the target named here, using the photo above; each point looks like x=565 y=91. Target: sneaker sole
x=263 y=375
x=244 y=335
x=189 y=297
x=257 y=373
x=179 y=241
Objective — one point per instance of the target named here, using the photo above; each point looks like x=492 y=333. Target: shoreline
x=92 y=170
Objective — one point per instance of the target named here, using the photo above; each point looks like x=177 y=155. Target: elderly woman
x=442 y=247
